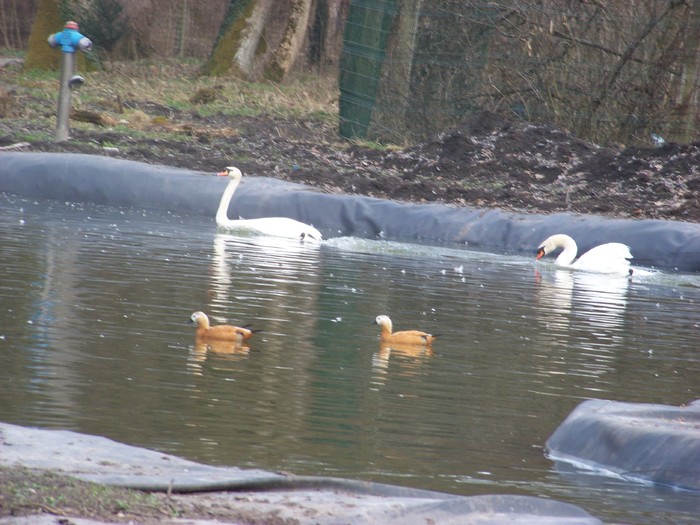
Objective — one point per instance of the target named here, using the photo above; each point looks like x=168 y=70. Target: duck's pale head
x=383 y=320
x=198 y=318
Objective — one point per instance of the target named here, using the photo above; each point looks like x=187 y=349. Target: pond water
x=94 y=303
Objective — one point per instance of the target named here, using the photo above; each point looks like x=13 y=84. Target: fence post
x=364 y=48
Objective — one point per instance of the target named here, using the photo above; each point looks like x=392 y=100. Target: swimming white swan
x=275 y=226
x=610 y=258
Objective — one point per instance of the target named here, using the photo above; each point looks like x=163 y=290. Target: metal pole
x=69 y=40
x=64 y=97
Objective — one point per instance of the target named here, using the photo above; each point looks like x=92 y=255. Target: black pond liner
x=105 y=180
x=267 y=496
x=641 y=442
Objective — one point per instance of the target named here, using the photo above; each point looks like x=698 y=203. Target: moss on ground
x=26 y=492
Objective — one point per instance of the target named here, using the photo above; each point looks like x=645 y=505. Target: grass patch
x=32 y=135
x=175 y=89
x=25 y=492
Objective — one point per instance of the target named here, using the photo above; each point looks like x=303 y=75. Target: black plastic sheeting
x=260 y=494
x=642 y=442
x=87 y=178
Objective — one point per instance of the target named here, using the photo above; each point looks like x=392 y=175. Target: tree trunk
x=333 y=38
x=240 y=39
x=182 y=32
x=251 y=33
x=325 y=34
x=46 y=22
x=394 y=98
x=266 y=38
x=286 y=53
x=690 y=78
x=16 y=18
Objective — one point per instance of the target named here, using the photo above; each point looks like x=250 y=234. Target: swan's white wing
x=274 y=226
x=612 y=257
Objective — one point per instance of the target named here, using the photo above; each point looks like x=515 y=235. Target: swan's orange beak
x=540 y=253
x=222 y=174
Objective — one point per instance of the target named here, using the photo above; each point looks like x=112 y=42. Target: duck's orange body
x=405 y=337
x=223 y=332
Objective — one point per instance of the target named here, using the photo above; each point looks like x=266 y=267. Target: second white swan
x=610 y=258
x=274 y=226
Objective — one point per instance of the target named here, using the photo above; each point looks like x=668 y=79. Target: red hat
x=71 y=25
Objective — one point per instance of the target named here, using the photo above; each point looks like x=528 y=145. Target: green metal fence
x=610 y=72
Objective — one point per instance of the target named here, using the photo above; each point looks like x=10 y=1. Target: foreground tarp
x=103 y=180
x=642 y=442
x=261 y=495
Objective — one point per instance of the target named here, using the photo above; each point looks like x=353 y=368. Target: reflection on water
x=405 y=359
x=93 y=337
x=200 y=350
x=554 y=298
x=272 y=277
x=279 y=276
x=581 y=312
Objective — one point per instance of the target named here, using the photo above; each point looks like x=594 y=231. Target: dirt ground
x=487 y=161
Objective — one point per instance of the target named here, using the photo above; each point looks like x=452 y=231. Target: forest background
x=529 y=105
x=609 y=72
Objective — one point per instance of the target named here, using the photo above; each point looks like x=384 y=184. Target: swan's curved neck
x=222 y=212
x=568 y=254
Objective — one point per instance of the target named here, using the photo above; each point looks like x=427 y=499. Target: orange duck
x=403 y=338
x=223 y=332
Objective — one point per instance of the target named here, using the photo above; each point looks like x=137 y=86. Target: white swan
x=610 y=258
x=275 y=226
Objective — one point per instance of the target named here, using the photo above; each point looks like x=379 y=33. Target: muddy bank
x=487 y=161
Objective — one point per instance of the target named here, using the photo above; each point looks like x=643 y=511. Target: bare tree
x=239 y=38
x=287 y=51
x=15 y=22
x=391 y=120
x=165 y=29
x=48 y=20
x=689 y=95
x=325 y=37
x=611 y=72
x=265 y=39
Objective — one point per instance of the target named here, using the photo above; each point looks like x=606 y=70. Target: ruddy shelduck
x=222 y=332
x=406 y=337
